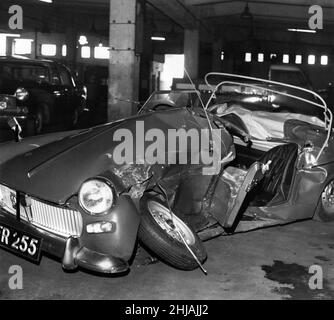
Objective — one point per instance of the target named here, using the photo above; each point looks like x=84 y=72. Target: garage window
x=311 y=59
x=64 y=50
x=22 y=46
x=286 y=58
x=85 y=52
x=298 y=59
x=222 y=55
x=260 y=57
x=324 y=60
x=49 y=50
x=101 y=52
x=248 y=57
x=273 y=56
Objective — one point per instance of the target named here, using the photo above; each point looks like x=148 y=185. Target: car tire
x=167 y=244
x=325 y=209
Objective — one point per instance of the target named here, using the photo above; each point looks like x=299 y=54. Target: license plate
x=22 y=243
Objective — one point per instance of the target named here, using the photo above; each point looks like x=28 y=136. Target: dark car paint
x=53 y=167
x=58 y=101
x=78 y=157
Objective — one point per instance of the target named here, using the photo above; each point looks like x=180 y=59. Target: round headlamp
x=21 y=94
x=96 y=196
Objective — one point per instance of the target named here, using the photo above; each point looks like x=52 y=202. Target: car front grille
x=58 y=220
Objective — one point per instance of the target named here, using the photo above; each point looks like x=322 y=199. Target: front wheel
x=325 y=208
x=162 y=231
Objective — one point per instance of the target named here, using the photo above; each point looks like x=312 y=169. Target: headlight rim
x=112 y=188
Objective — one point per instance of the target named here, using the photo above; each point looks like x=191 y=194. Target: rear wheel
x=162 y=231
x=325 y=208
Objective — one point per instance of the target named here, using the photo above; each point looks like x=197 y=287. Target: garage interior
x=122 y=51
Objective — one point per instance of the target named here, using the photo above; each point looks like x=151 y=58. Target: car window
x=65 y=77
x=24 y=72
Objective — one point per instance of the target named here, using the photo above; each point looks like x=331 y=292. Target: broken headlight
x=96 y=196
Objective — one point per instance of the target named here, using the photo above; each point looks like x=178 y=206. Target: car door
x=59 y=94
x=68 y=89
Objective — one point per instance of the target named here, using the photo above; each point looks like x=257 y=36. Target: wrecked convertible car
x=67 y=193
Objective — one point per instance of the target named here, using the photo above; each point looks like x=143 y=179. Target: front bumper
x=69 y=250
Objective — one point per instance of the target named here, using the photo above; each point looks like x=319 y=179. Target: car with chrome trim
x=65 y=193
x=39 y=93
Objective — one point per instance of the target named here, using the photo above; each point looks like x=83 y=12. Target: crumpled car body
x=44 y=175
x=261 y=183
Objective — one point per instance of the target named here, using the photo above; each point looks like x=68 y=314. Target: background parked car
x=39 y=93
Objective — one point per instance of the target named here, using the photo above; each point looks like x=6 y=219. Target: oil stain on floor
x=293 y=282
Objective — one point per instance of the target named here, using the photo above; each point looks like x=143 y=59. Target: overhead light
x=158 y=38
x=10 y=35
x=324 y=60
x=246 y=14
x=302 y=30
x=311 y=59
x=47 y=1
x=248 y=57
x=299 y=59
x=64 y=50
x=260 y=57
x=83 y=40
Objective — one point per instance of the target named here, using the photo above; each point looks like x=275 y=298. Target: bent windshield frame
x=328 y=116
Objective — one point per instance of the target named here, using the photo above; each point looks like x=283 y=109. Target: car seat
x=275 y=185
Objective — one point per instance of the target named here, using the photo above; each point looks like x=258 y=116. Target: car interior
x=282 y=155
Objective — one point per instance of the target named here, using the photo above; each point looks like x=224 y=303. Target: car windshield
x=263 y=95
x=268 y=108
x=23 y=72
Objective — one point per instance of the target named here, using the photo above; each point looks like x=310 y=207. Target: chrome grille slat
x=58 y=220
x=55 y=219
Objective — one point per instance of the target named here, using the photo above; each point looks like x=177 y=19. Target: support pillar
x=71 y=39
x=71 y=48
x=191 y=52
x=123 y=62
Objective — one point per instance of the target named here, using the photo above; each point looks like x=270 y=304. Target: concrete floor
x=265 y=264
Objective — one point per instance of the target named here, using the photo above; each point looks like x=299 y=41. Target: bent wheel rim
x=327 y=198
x=166 y=219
